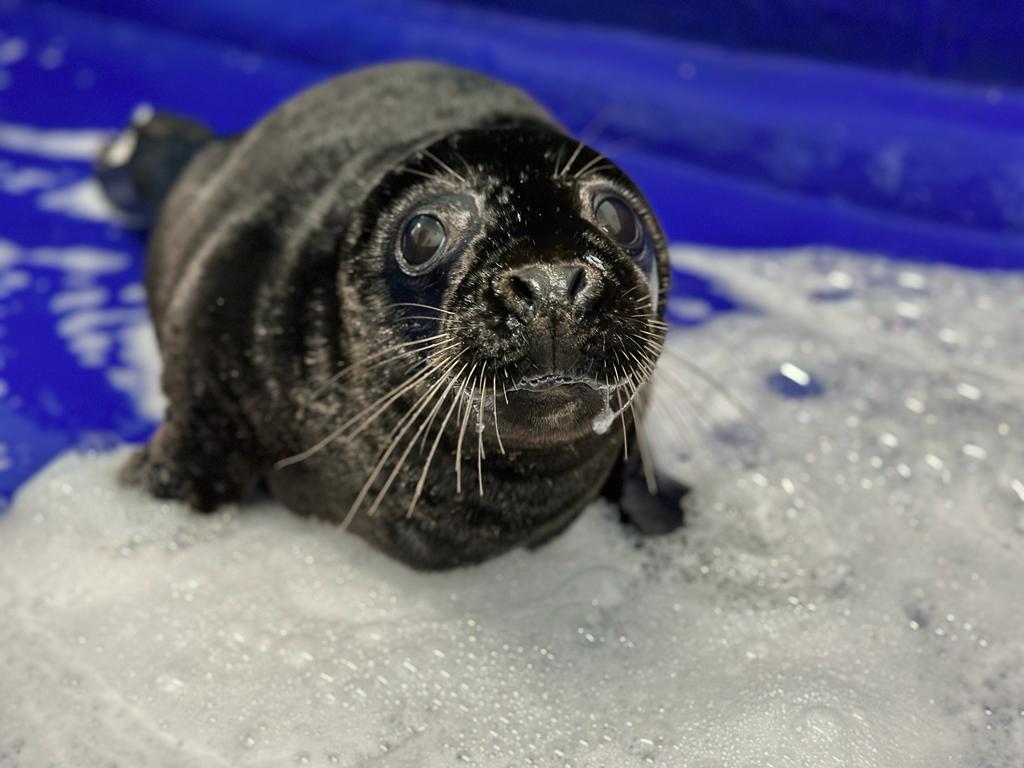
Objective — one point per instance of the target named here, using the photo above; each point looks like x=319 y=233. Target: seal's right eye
x=423 y=239
x=616 y=217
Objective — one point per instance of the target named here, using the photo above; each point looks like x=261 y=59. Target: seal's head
x=528 y=269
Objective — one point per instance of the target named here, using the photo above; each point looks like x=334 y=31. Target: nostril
x=578 y=285
x=523 y=289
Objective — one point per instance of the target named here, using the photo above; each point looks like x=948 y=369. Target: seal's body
x=409 y=303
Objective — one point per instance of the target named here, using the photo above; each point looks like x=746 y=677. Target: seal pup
x=406 y=300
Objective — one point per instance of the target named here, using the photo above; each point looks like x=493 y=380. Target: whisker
x=494 y=400
x=480 y=431
x=645 y=365
x=406 y=423
x=383 y=402
x=339 y=431
x=433 y=448
x=558 y=161
x=444 y=165
x=597 y=169
x=721 y=389
x=393 y=437
x=382 y=407
x=590 y=164
x=659 y=338
x=646 y=461
x=571 y=160
x=462 y=434
x=422 y=306
x=684 y=426
x=682 y=388
x=381 y=358
x=622 y=418
x=423 y=438
x=416 y=172
x=465 y=164
x=429 y=318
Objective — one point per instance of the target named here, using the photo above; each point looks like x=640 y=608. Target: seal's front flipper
x=196 y=457
x=138 y=168
x=652 y=513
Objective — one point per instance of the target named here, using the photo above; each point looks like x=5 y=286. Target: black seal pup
x=408 y=302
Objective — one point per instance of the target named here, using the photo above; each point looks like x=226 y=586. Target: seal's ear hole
x=619 y=221
x=423 y=239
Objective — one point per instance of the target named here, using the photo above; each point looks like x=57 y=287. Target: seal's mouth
x=549 y=381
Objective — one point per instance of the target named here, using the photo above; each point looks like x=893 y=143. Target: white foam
x=19 y=180
x=138 y=374
x=79 y=260
x=845 y=601
x=82 y=298
x=57 y=144
x=13 y=281
x=84 y=199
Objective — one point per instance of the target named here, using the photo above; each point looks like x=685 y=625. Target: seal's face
x=531 y=269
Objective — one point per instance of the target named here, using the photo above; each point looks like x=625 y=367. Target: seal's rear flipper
x=138 y=168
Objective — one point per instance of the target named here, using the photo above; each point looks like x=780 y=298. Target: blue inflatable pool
x=893 y=128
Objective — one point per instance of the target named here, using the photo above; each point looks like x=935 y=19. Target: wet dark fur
x=271 y=267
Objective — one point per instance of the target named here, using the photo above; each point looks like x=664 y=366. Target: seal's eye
x=422 y=240
x=617 y=218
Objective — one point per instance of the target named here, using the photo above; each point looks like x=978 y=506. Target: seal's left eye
x=422 y=240
x=617 y=218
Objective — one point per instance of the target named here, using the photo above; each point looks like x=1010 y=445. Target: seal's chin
x=549 y=409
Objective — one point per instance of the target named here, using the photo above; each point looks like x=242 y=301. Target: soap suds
x=846 y=591
x=85 y=199
x=56 y=144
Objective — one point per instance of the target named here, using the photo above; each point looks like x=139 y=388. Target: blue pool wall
x=894 y=128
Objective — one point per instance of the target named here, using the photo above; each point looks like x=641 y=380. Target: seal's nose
x=547 y=286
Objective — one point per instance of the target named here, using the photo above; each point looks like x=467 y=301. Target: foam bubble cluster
x=846 y=591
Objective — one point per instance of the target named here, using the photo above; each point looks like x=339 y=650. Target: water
x=846 y=591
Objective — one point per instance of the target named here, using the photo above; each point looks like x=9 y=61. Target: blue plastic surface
x=732 y=147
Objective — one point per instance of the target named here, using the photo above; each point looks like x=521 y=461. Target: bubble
x=793 y=381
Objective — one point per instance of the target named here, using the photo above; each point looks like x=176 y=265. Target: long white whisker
x=494 y=400
x=721 y=389
x=480 y=430
x=645 y=455
x=444 y=165
x=383 y=402
x=339 y=431
x=382 y=493
x=415 y=172
x=381 y=357
x=422 y=306
x=462 y=434
x=381 y=405
x=593 y=161
x=433 y=448
x=396 y=434
x=622 y=418
x=571 y=160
